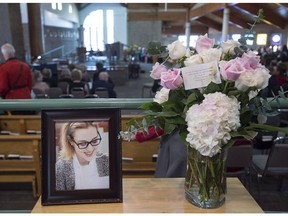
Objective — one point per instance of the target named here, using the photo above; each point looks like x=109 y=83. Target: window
x=95 y=26
x=236 y=37
x=192 y=42
x=261 y=39
x=249 y=39
x=110 y=26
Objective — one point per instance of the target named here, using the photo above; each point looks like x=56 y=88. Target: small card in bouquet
x=199 y=76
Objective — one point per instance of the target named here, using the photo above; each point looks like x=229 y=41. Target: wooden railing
x=137 y=157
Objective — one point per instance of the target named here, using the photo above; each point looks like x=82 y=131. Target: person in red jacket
x=15 y=76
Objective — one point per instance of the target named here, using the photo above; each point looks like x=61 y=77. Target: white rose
x=210 y=55
x=246 y=79
x=253 y=78
x=162 y=95
x=262 y=76
x=228 y=46
x=193 y=60
x=176 y=50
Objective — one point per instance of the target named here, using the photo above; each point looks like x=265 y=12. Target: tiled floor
x=15 y=197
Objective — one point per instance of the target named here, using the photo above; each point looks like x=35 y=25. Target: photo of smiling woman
x=82 y=161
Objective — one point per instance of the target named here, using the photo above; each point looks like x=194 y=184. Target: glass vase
x=205 y=182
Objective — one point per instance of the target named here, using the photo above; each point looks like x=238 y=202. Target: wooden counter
x=155 y=195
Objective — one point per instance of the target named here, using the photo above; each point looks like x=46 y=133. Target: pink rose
x=232 y=69
x=252 y=60
x=204 y=43
x=157 y=69
x=171 y=79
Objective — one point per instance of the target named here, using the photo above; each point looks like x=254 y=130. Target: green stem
x=226 y=86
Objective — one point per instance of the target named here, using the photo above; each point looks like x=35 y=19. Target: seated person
x=39 y=87
x=49 y=78
x=99 y=68
x=85 y=75
x=76 y=76
x=103 y=82
x=65 y=80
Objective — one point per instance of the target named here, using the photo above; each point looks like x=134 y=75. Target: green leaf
x=243 y=133
x=169 y=127
x=162 y=114
x=183 y=134
x=228 y=144
x=211 y=88
x=155 y=48
x=266 y=127
x=153 y=106
x=176 y=120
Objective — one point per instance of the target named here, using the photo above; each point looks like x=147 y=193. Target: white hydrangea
x=210 y=123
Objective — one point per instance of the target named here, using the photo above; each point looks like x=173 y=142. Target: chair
x=239 y=158
x=78 y=92
x=147 y=86
x=101 y=92
x=275 y=163
x=264 y=139
x=66 y=96
x=42 y=96
x=64 y=86
x=54 y=92
x=91 y=96
x=133 y=70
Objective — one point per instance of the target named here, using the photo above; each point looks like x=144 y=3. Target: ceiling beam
x=210 y=23
x=176 y=5
x=199 y=29
x=284 y=4
x=142 y=6
x=205 y=9
x=270 y=17
x=160 y=6
x=234 y=20
x=163 y=16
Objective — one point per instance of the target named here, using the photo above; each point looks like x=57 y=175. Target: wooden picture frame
x=64 y=179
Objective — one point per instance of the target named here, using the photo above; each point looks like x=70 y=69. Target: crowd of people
x=277 y=63
x=20 y=81
x=17 y=81
x=75 y=78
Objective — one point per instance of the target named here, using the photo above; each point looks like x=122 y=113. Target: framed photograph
x=81 y=156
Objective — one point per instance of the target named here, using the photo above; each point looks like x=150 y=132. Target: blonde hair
x=67 y=135
x=47 y=73
x=76 y=74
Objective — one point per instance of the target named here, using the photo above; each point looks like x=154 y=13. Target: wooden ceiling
x=207 y=15
x=204 y=15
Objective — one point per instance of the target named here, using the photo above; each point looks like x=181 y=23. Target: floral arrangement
x=209 y=116
x=210 y=96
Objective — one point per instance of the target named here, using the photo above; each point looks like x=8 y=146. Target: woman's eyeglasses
x=83 y=145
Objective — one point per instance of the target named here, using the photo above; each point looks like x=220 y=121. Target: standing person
x=15 y=76
x=81 y=164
